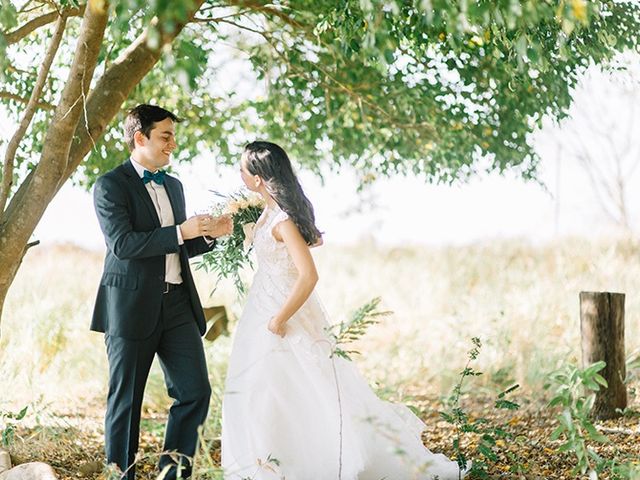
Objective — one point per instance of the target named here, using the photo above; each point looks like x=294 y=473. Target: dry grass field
x=521 y=300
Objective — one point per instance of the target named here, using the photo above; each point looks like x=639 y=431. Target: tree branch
x=103 y=103
x=32 y=105
x=587 y=161
x=26 y=7
x=12 y=68
x=113 y=88
x=200 y=19
x=19 y=220
x=45 y=19
x=17 y=200
x=260 y=7
x=18 y=98
x=235 y=24
x=333 y=83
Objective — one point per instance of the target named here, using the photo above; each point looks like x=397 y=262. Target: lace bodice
x=272 y=255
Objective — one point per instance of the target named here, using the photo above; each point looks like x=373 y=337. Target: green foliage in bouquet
x=232 y=253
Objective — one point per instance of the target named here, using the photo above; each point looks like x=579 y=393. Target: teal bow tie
x=157 y=177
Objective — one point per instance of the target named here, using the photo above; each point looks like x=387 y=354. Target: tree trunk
x=8 y=271
x=602 y=329
x=18 y=222
x=61 y=156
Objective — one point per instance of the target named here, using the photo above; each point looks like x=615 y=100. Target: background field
x=521 y=300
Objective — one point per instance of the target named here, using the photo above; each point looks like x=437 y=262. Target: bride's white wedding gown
x=292 y=412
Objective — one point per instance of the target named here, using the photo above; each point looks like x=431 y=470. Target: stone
x=90 y=468
x=26 y=471
x=29 y=471
x=5 y=460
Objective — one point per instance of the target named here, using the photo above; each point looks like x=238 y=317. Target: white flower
x=248 y=229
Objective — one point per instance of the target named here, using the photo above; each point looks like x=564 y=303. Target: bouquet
x=232 y=252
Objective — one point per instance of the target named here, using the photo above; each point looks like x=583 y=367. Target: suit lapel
x=141 y=190
x=171 y=187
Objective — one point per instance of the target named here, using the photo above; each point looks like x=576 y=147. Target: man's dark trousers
x=176 y=340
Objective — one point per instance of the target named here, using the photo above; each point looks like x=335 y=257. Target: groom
x=147 y=303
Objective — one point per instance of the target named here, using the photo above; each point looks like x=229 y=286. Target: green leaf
x=22 y=413
x=389 y=56
x=566 y=447
x=487 y=452
x=333 y=91
x=556 y=433
x=8 y=16
x=595 y=367
x=555 y=401
x=600 y=379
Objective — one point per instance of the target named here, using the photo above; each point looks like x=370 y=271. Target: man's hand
x=194 y=226
x=206 y=225
x=218 y=226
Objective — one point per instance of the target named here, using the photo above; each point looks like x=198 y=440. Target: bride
x=290 y=409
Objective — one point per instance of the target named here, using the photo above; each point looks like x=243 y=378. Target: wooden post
x=602 y=329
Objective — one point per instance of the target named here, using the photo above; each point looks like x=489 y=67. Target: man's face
x=156 y=150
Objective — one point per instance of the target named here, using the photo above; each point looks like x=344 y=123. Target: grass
x=521 y=300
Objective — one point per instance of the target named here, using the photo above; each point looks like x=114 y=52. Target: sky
x=407 y=211
x=395 y=212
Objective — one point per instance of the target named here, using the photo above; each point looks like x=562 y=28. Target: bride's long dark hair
x=271 y=163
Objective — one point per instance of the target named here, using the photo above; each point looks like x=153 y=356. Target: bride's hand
x=277 y=327
x=218 y=226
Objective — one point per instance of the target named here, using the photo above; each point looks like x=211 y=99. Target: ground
x=71 y=440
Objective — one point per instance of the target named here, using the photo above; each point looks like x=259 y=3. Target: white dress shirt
x=160 y=199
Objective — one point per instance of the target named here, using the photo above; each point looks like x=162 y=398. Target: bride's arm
x=288 y=233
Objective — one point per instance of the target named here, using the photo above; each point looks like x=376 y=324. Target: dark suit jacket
x=130 y=293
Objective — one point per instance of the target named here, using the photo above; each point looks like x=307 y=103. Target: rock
x=5 y=460
x=29 y=471
x=90 y=468
x=26 y=471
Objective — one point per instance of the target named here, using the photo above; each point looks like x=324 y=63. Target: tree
x=601 y=137
x=424 y=87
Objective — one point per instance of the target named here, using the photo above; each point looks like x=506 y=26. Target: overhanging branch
x=59 y=135
x=268 y=9
x=18 y=98
x=114 y=87
x=32 y=105
x=45 y=19
x=202 y=19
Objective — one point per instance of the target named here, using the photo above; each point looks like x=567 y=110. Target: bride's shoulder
x=281 y=224
x=279 y=216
